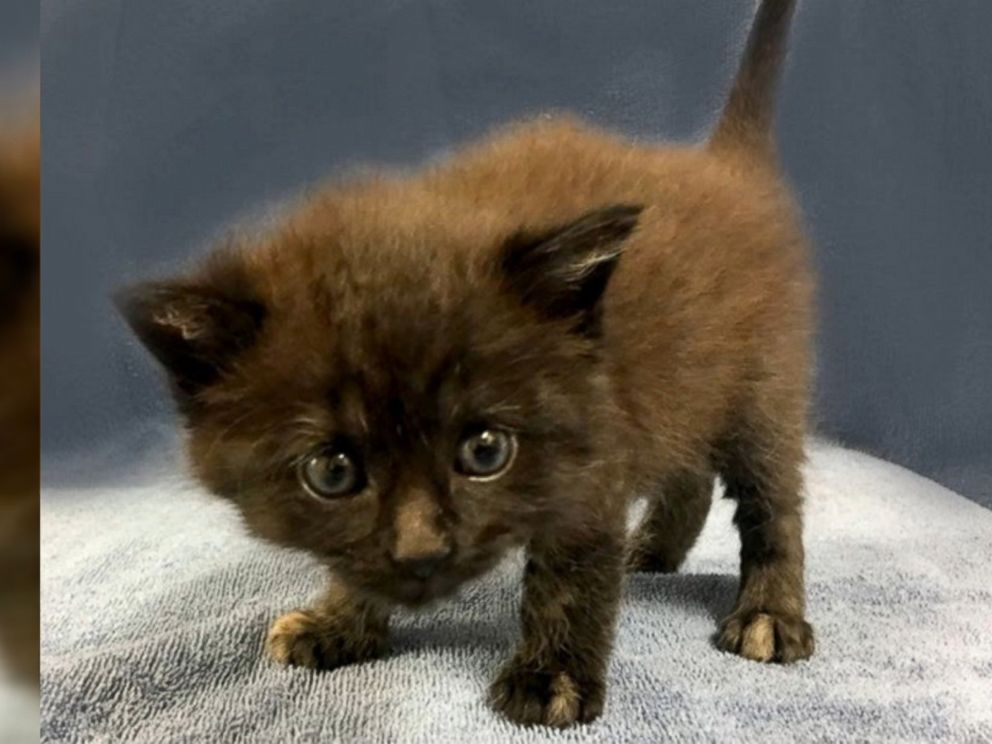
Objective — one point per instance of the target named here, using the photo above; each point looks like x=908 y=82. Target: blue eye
x=331 y=474
x=485 y=454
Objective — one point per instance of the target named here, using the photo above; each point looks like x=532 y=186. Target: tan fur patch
x=758 y=639
x=417 y=533
x=563 y=708
x=283 y=634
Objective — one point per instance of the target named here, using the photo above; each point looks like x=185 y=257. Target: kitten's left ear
x=563 y=273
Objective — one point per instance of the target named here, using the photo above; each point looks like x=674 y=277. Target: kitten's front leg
x=340 y=629
x=572 y=590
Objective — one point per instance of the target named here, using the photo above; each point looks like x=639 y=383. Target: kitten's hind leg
x=340 y=629
x=673 y=522
x=762 y=472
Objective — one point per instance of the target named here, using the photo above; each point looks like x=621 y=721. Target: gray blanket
x=155 y=605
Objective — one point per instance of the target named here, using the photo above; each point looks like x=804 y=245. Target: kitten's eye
x=485 y=454
x=331 y=474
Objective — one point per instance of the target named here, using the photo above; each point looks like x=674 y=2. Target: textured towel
x=155 y=606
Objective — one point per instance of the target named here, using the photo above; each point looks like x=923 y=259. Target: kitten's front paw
x=303 y=638
x=534 y=696
x=766 y=636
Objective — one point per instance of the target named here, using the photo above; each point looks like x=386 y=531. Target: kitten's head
x=402 y=394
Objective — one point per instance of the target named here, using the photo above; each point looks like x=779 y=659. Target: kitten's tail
x=748 y=116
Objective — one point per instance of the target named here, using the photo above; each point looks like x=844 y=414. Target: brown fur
x=639 y=316
x=20 y=214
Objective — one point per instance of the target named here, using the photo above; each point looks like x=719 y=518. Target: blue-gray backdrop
x=165 y=120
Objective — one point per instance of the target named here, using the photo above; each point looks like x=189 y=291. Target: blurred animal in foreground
x=20 y=214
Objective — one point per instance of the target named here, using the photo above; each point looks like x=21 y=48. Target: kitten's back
x=713 y=277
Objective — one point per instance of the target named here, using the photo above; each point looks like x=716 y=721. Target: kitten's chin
x=414 y=592
x=417 y=593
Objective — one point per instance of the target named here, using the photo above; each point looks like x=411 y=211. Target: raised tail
x=748 y=116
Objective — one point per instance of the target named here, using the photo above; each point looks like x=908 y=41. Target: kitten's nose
x=420 y=545
x=425 y=565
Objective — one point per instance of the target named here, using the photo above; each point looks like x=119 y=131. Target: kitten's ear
x=194 y=329
x=563 y=272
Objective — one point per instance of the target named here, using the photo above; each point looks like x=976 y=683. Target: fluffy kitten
x=412 y=375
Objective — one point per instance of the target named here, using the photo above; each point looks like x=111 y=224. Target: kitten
x=412 y=375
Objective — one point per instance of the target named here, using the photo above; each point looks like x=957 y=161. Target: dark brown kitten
x=412 y=375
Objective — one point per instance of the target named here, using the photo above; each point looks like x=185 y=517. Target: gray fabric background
x=18 y=33
x=165 y=120
x=19 y=56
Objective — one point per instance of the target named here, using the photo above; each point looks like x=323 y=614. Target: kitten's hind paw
x=307 y=639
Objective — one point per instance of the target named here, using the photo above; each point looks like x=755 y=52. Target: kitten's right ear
x=194 y=330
